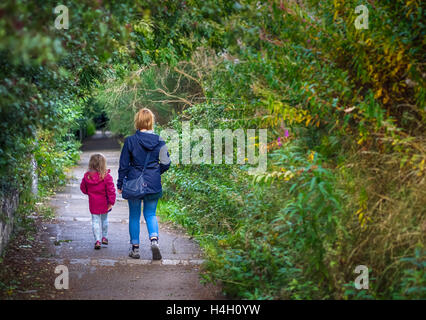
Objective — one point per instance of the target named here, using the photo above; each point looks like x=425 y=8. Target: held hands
x=119 y=191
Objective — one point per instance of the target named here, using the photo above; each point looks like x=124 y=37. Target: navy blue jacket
x=133 y=155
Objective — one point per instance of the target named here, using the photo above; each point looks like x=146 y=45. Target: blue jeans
x=100 y=226
x=149 y=209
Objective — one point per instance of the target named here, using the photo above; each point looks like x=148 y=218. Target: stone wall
x=9 y=203
x=8 y=206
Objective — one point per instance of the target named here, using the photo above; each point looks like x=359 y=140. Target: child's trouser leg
x=104 y=218
x=96 y=226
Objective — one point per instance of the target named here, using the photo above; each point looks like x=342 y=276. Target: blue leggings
x=149 y=209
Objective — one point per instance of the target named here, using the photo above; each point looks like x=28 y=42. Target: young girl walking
x=98 y=184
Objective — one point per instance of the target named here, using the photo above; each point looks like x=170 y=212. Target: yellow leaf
x=386 y=99
x=378 y=93
x=386 y=50
x=399 y=56
x=335 y=15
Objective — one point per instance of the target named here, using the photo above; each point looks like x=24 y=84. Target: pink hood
x=93 y=177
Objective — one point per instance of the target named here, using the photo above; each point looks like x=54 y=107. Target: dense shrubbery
x=262 y=241
x=348 y=187
x=90 y=127
x=297 y=237
x=54 y=154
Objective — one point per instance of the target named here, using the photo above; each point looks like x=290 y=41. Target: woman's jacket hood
x=147 y=139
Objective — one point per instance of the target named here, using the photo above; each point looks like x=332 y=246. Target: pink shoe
x=97 y=245
x=104 y=241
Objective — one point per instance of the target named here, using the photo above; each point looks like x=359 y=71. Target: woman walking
x=144 y=153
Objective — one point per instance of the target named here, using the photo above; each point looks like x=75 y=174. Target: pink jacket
x=101 y=192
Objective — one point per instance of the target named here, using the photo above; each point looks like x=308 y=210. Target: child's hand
x=119 y=191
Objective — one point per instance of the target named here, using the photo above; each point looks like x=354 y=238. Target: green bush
x=90 y=128
x=263 y=241
x=54 y=154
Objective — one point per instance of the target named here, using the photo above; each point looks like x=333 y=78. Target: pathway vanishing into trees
x=109 y=273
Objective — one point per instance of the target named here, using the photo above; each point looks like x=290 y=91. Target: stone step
x=123 y=261
x=89 y=219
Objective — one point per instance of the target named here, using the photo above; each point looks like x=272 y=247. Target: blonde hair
x=144 y=119
x=97 y=163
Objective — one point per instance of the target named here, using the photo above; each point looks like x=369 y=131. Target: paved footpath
x=109 y=273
